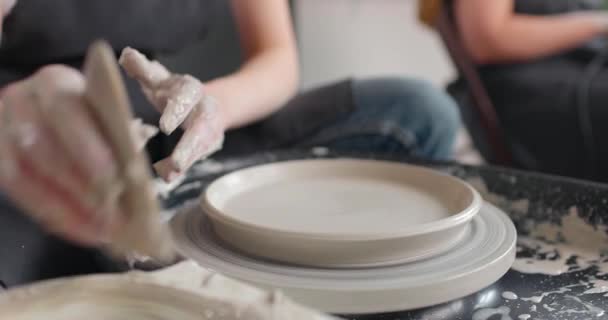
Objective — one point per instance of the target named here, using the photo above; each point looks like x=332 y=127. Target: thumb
x=165 y=169
x=141 y=133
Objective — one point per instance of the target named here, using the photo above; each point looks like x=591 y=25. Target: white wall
x=340 y=38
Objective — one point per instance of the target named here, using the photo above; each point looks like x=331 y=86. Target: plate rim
x=452 y=221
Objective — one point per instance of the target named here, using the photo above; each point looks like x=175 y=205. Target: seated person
x=543 y=64
x=249 y=110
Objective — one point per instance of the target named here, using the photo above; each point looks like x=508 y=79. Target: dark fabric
x=27 y=253
x=41 y=31
x=543 y=7
x=549 y=7
x=552 y=121
x=301 y=117
x=537 y=105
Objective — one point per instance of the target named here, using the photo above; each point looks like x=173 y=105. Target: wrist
x=599 y=20
x=217 y=101
x=217 y=111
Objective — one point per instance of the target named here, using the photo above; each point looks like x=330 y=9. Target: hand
x=5 y=8
x=598 y=18
x=601 y=18
x=182 y=102
x=54 y=161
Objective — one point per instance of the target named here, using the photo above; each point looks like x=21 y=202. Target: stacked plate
x=350 y=236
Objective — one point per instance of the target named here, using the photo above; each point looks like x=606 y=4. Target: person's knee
x=415 y=106
x=415 y=99
x=444 y=115
x=441 y=114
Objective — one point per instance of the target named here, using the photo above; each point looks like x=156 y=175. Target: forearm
x=263 y=84
x=525 y=37
x=493 y=32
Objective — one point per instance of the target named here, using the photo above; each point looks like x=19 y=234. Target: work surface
x=571 y=284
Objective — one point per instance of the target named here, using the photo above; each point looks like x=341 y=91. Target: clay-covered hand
x=54 y=161
x=5 y=8
x=182 y=102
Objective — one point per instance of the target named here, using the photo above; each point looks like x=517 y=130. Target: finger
x=25 y=131
x=203 y=137
x=184 y=94
x=164 y=168
x=142 y=133
x=55 y=95
x=43 y=178
x=43 y=201
x=79 y=135
x=56 y=177
x=167 y=170
x=60 y=137
x=149 y=73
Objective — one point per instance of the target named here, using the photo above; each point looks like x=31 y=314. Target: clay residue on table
x=572 y=246
x=554 y=249
x=517 y=207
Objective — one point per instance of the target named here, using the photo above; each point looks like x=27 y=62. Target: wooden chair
x=482 y=107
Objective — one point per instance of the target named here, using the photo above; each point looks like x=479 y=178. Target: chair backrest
x=483 y=107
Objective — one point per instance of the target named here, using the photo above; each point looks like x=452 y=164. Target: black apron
x=39 y=32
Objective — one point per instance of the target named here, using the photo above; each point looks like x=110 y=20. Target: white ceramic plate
x=340 y=213
x=485 y=253
x=102 y=297
x=184 y=291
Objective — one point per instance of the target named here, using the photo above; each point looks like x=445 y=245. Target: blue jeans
x=396 y=115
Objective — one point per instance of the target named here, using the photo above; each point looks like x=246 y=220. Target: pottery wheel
x=485 y=253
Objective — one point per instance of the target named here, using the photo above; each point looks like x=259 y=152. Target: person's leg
x=396 y=115
x=375 y=115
